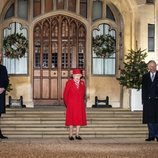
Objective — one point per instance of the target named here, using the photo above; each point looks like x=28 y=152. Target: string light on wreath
x=104 y=46
x=15 y=46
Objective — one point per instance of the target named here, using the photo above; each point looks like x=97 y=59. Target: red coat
x=74 y=101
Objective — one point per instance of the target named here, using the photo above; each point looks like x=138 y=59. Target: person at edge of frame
x=150 y=100
x=4 y=81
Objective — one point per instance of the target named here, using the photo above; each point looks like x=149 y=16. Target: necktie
x=152 y=77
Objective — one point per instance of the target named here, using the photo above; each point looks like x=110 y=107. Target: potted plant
x=131 y=75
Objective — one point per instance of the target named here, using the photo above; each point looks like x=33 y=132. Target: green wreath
x=104 y=46
x=15 y=46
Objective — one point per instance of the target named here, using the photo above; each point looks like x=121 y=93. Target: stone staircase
x=49 y=123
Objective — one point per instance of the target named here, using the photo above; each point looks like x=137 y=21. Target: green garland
x=15 y=46
x=104 y=46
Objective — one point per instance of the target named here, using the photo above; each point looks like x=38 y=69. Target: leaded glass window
x=10 y=12
x=16 y=66
x=36 y=7
x=97 y=9
x=104 y=66
x=151 y=37
x=83 y=8
x=23 y=9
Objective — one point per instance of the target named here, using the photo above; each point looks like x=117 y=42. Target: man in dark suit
x=3 y=86
x=150 y=100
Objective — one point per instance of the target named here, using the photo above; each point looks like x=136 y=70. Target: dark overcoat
x=3 y=84
x=150 y=98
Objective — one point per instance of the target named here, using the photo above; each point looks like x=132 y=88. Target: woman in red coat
x=74 y=94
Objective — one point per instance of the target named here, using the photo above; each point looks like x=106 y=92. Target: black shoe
x=157 y=139
x=78 y=137
x=3 y=137
x=150 y=139
x=71 y=138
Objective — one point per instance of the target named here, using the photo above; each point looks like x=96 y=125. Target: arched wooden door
x=59 y=45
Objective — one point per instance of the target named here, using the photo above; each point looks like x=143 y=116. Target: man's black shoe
x=150 y=139
x=3 y=137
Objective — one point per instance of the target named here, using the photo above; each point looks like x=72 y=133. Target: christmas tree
x=134 y=68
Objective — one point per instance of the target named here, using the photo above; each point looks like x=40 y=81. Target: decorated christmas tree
x=133 y=70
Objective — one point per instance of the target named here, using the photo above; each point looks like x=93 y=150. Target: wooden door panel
x=45 y=88
x=54 y=73
x=45 y=73
x=54 y=89
x=36 y=73
x=63 y=86
x=65 y=74
x=37 y=90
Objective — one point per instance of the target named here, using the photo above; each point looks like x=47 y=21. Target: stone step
x=47 y=123
x=16 y=125
x=54 y=134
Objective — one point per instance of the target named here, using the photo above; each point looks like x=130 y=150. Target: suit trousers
x=153 y=130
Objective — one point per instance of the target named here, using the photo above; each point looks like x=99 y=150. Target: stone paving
x=86 y=148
